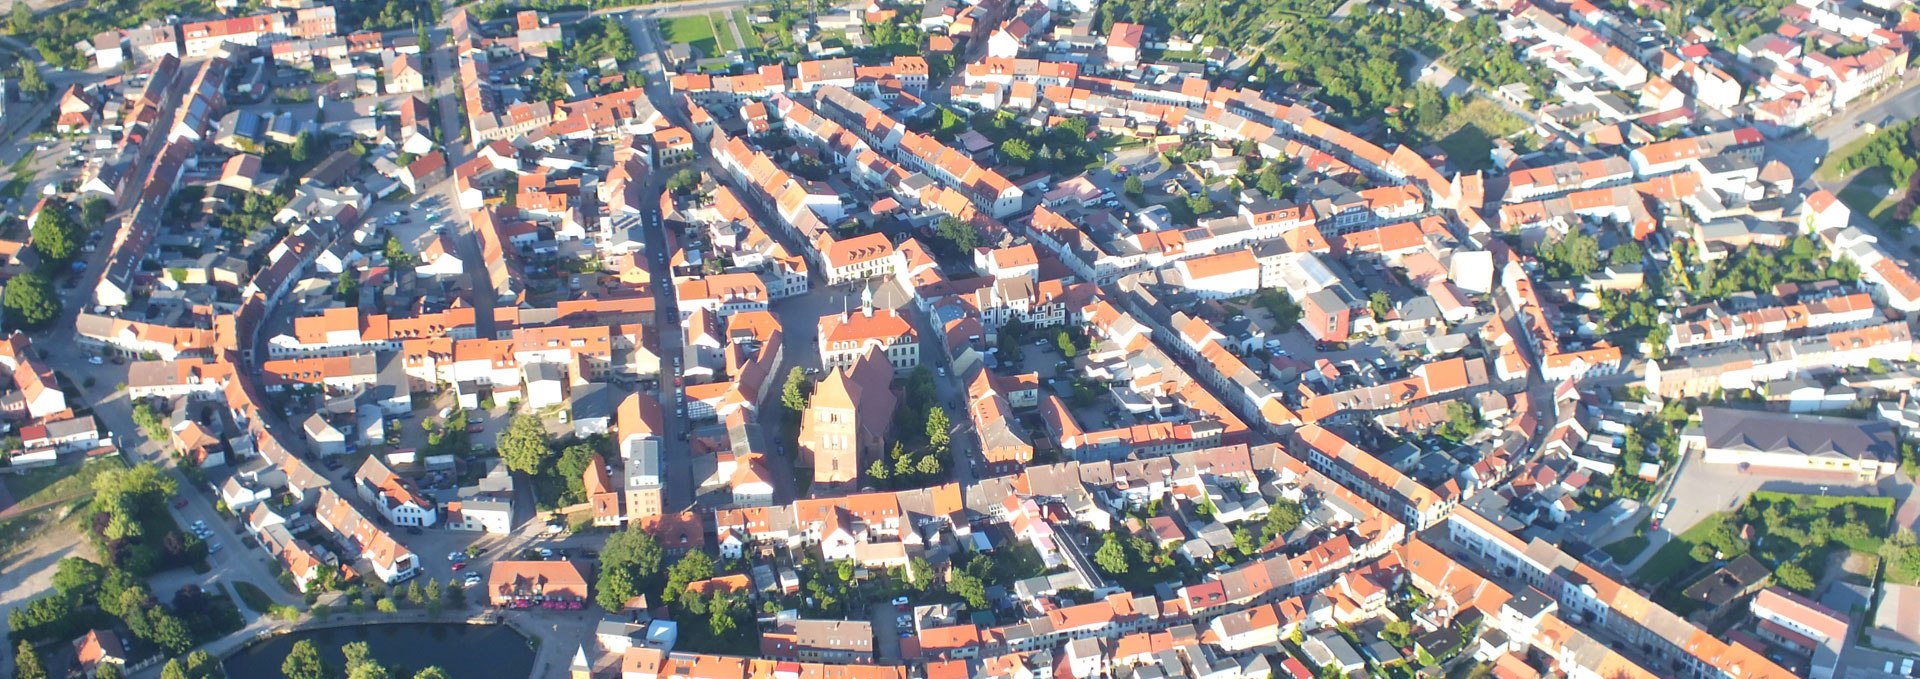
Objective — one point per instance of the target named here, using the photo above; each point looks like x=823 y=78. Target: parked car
x=180 y=503
x=459 y=566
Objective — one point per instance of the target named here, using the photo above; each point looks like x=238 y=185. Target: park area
x=1800 y=538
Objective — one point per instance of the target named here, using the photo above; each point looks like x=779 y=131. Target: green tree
x=928 y=466
x=1200 y=203
x=920 y=573
x=201 y=665
x=173 y=670
x=959 y=235
x=902 y=463
x=1272 y=183
x=969 y=589
x=56 y=235
x=523 y=446
x=356 y=653
x=1462 y=421
x=939 y=429
x=26 y=663
x=794 y=394
x=414 y=595
x=629 y=558
x=1283 y=515
x=78 y=577
x=1380 y=305
x=431 y=672
x=303 y=662
x=385 y=605
x=572 y=467
x=1017 y=150
x=169 y=632
x=1111 y=557
x=1626 y=253
x=31 y=82
x=1574 y=255
x=1791 y=576
x=693 y=567
x=720 y=612
x=878 y=471
x=1134 y=187
x=433 y=590
x=94 y=210
x=1065 y=341
x=347 y=285
x=29 y=301
x=302 y=147
x=684 y=182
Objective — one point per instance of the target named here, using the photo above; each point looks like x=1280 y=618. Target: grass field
x=1467 y=133
x=723 y=31
x=1675 y=556
x=1866 y=193
x=747 y=31
x=1829 y=170
x=58 y=483
x=1627 y=549
x=696 y=31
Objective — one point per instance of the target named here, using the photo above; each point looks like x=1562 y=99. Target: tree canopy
x=30 y=301
x=57 y=235
x=523 y=446
x=630 y=559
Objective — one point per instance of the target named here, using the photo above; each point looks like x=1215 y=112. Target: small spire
x=866 y=298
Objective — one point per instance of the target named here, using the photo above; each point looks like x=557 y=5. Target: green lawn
x=747 y=31
x=1627 y=549
x=694 y=30
x=255 y=598
x=1675 y=556
x=1467 y=133
x=58 y=483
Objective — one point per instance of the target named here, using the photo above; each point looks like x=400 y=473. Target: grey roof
x=1811 y=435
x=592 y=400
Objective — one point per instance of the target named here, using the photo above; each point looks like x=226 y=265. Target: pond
x=462 y=650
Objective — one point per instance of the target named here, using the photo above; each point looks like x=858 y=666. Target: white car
x=94 y=360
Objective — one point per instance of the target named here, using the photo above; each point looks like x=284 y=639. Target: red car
x=180 y=503
x=476 y=428
x=459 y=566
